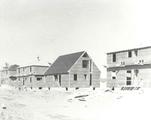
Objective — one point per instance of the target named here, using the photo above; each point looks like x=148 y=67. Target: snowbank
x=81 y=104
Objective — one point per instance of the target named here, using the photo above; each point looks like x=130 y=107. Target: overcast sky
x=49 y=28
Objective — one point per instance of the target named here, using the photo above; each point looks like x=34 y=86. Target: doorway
x=90 y=79
x=60 y=80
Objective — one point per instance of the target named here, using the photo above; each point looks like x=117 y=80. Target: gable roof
x=63 y=63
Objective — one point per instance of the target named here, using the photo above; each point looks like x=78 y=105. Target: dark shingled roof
x=63 y=63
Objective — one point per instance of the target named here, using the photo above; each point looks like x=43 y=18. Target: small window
x=114 y=57
x=136 y=72
x=85 y=76
x=75 y=77
x=113 y=78
x=39 y=79
x=129 y=78
x=85 y=63
x=85 y=55
x=129 y=54
x=56 y=77
x=129 y=71
x=136 y=52
x=128 y=83
x=30 y=69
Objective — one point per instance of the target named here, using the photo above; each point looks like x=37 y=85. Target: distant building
x=130 y=67
x=8 y=74
x=31 y=76
x=76 y=70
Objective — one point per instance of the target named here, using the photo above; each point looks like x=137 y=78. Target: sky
x=49 y=28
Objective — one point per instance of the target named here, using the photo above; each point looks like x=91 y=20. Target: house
x=76 y=70
x=130 y=67
x=31 y=76
x=8 y=74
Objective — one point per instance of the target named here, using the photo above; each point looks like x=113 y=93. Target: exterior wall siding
x=67 y=80
x=27 y=76
x=141 y=62
x=81 y=80
x=51 y=82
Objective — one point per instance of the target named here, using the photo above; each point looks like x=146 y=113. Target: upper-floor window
x=85 y=63
x=30 y=69
x=136 y=52
x=114 y=57
x=129 y=54
x=85 y=55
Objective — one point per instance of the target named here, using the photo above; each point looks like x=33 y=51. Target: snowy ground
x=58 y=104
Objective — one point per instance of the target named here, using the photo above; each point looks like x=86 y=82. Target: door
x=90 y=79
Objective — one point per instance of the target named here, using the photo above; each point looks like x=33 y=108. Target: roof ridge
x=138 y=48
x=72 y=53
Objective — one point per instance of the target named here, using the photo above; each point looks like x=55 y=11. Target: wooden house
x=31 y=76
x=130 y=67
x=76 y=70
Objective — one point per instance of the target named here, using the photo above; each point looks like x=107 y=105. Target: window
x=38 y=79
x=85 y=63
x=129 y=71
x=129 y=54
x=85 y=76
x=128 y=83
x=56 y=77
x=113 y=78
x=136 y=72
x=136 y=52
x=30 y=69
x=129 y=78
x=114 y=57
x=75 y=77
x=85 y=55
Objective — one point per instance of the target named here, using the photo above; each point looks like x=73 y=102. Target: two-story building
x=8 y=74
x=31 y=76
x=130 y=67
x=75 y=70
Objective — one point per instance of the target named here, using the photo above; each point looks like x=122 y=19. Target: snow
x=81 y=104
